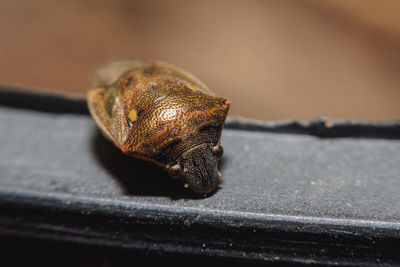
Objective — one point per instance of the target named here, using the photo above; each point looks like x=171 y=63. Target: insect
x=160 y=113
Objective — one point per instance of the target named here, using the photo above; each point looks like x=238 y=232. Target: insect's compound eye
x=175 y=171
x=218 y=151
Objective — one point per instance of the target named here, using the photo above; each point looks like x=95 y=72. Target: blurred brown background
x=273 y=59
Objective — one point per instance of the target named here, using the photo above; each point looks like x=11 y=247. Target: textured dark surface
x=286 y=195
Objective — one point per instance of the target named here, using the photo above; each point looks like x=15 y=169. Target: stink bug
x=160 y=113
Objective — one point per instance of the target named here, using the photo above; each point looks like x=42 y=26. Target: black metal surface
x=287 y=195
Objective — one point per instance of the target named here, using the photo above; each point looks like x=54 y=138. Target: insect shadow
x=136 y=176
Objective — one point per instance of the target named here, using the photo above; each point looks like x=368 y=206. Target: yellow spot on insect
x=219 y=175
x=186 y=185
x=132 y=115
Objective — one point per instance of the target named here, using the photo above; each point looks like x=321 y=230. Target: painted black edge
x=322 y=127
x=42 y=101
x=234 y=236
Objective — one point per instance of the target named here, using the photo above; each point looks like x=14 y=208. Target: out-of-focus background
x=281 y=59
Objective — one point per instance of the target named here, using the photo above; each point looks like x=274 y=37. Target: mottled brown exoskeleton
x=160 y=113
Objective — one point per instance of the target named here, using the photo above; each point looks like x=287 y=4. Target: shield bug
x=160 y=113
